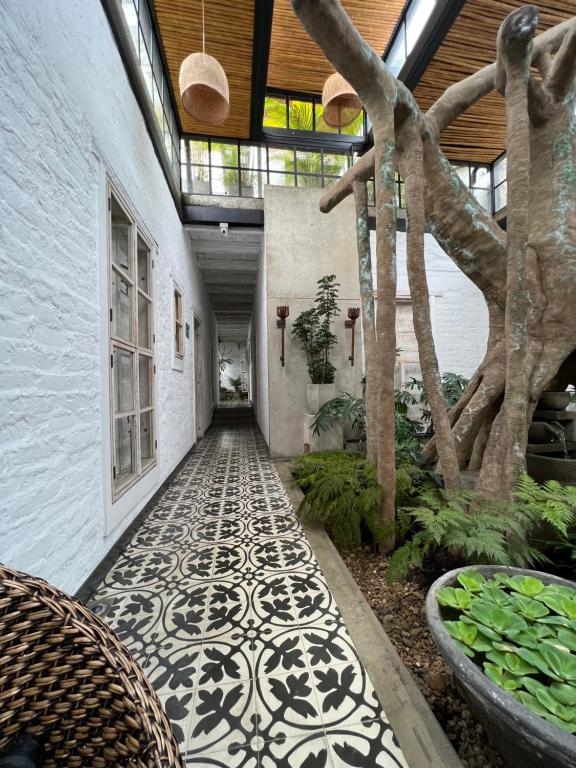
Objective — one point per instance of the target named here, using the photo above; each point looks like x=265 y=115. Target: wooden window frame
x=138 y=235
x=178 y=324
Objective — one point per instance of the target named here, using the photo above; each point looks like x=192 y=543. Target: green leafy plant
x=503 y=626
x=342 y=492
x=453 y=386
x=480 y=531
x=313 y=329
x=235 y=383
x=345 y=407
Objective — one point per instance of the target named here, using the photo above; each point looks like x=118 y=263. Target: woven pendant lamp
x=340 y=101
x=204 y=86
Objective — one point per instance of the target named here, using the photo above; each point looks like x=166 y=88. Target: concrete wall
x=458 y=310
x=68 y=118
x=259 y=348
x=301 y=246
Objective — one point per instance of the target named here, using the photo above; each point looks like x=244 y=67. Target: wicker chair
x=66 y=678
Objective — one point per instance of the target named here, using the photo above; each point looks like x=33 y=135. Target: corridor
x=221 y=600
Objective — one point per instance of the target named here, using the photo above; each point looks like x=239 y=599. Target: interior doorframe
x=198 y=377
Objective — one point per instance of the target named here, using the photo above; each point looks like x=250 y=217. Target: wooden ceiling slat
x=479 y=134
x=297 y=64
x=229 y=38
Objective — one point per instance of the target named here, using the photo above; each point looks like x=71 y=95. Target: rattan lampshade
x=340 y=101
x=204 y=88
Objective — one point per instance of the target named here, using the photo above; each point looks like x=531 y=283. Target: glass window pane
x=275 y=112
x=146 y=67
x=157 y=66
x=309 y=181
x=356 y=127
x=320 y=124
x=144 y=336
x=282 y=179
x=145 y=380
x=123 y=380
x=480 y=176
x=198 y=179
x=224 y=153
x=484 y=198
x=199 y=152
x=500 y=196
x=124 y=449
x=121 y=307
x=132 y=21
x=146 y=437
x=418 y=14
x=335 y=165
x=300 y=115
x=309 y=162
x=253 y=183
x=225 y=182
x=143 y=266
x=500 y=168
x=463 y=172
x=397 y=55
x=253 y=157
x=281 y=159
x=121 y=237
x=146 y=24
x=329 y=181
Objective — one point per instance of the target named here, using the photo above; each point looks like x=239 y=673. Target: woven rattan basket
x=67 y=679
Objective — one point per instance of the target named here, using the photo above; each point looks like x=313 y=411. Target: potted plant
x=509 y=637
x=345 y=408
x=313 y=330
x=236 y=384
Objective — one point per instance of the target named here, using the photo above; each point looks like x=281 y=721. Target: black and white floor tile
x=220 y=598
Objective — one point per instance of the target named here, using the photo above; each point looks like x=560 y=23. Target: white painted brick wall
x=66 y=112
x=459 y=314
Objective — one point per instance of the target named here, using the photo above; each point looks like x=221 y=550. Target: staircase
x=231 y=415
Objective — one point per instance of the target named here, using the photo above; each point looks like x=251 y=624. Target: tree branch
x=562 y=77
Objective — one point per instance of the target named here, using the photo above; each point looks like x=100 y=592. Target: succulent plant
x=522 y=634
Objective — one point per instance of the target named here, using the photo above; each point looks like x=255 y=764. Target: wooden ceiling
x=297 y=64
x=229 y=32
x=480 y=133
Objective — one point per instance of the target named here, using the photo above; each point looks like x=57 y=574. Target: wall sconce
x=282 y=313
x=353 y=314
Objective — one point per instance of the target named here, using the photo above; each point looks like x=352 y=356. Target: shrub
x=345 y=407
x=478 y=530
x=340 y=491
x=312 y=328
x=522 y=634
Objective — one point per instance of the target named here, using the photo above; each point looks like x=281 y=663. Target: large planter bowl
x=318 y=394
x=524 y=739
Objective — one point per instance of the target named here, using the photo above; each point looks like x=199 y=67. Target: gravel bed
x=400 y=608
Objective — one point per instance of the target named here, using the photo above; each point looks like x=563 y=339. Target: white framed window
x=178 y=324
x=132 y=365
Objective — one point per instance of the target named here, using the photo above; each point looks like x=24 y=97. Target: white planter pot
x=318 y=394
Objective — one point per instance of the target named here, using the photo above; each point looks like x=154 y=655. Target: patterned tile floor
x=221 y=600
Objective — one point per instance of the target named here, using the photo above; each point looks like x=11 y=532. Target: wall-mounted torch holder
x=282 y=313
x=353 y=315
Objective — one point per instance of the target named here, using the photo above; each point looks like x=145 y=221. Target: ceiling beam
x=263 y=14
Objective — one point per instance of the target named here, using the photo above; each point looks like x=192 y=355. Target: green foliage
x=453 y=385
x=345 y=407
x=342 y=492
x=480 y=531
x=235 y=383
x=517 y=646
x=313 y=329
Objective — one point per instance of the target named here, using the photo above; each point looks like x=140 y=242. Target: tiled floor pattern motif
x=221 y=600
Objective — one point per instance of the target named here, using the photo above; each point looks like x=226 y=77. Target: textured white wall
x=458 y=309
x=68 y=115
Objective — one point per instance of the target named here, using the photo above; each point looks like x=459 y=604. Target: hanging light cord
x=203 y=30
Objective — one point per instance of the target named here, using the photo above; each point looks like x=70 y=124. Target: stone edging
x=424 y=743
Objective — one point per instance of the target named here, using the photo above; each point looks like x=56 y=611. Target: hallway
x=221 y=600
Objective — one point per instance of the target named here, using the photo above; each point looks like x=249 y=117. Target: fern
x=341 y=491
